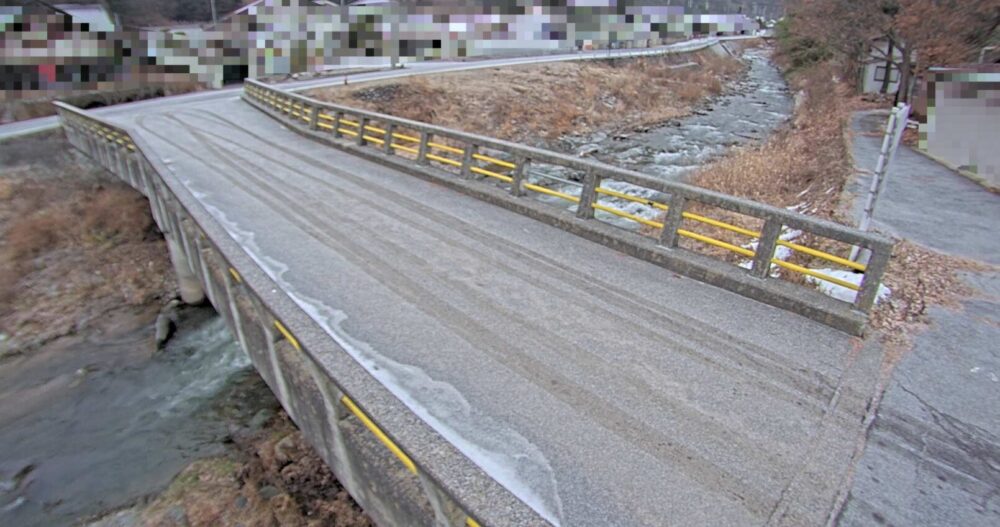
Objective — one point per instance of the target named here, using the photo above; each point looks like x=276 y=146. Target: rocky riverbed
x=750 y=109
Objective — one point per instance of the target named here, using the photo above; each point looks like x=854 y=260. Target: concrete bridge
x=464 y=353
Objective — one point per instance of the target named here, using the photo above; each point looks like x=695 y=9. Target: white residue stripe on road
x=503 y=453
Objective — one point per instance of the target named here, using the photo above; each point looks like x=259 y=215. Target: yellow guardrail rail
x=377 y=130
x=360 y=414
x=103 y=138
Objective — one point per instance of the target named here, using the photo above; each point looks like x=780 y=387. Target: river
x=103 y=421
x=749 y=111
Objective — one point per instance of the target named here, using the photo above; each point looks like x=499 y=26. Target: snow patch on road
x=840 y=292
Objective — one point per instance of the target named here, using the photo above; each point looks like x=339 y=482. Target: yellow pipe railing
x=291 y=108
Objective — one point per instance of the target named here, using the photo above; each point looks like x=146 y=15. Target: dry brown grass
x=539 y=103
x=84 y=219
x=807 y=164
x=74 y=246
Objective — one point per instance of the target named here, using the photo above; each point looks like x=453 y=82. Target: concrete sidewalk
x=933 y=454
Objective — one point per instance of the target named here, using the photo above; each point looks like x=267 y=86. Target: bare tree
x=920 y=33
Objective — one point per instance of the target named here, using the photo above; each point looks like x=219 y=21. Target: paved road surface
x=600 y=389
x=933 y=456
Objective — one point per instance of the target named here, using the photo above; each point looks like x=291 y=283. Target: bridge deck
x=599 y=389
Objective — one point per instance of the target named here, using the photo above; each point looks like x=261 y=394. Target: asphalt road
x=933 y=454
x=600 y=389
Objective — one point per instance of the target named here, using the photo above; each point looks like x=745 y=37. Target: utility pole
x=890 y=143
x=395 y=13
x=215 y=15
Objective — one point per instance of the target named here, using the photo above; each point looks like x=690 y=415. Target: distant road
x=418 y=68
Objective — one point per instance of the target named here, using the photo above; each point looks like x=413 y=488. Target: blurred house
x=962 y=125
x=880 y=73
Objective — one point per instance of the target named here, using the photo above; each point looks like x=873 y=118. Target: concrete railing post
x=675 y=215
x=425 y=138
x=121 y=164
x=387 y=145
x=877 y=264
x=336 y=124
x=106 y=153
x=521 y=167
x=470 y=150
x=363 y=122
x=765 y=248
x=313 y=117
x=130 y=167
x=591 y=181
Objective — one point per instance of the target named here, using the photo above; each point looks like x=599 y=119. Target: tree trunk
x=888 y=69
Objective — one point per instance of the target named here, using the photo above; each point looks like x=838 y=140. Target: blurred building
x=962 y=125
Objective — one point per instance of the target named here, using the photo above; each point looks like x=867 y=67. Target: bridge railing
x=680 y=216
x=268 y=330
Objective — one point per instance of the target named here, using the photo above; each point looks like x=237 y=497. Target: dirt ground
x=271 y=478
x=539 y=103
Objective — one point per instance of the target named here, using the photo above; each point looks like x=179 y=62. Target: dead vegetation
x=75 y=245
x=806 y=163
x=919 y=278
x=806 y=166
x=273 y=478
x=540 y=103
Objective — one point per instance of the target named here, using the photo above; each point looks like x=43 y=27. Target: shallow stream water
x=749 y=110
x=104 y=421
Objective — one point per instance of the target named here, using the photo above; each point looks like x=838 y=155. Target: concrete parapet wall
x=303 y=115
x=395 y=466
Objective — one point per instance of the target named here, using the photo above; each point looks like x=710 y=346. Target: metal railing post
x=425 y=137
x=765 y=248
x=363 y=122
x=470 y=150
x=585 y=209
x=521 y=167
x=675 y=215
x=868 y=292
x=387 y=145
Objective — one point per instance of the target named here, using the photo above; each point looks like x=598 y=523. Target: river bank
x=93 y=416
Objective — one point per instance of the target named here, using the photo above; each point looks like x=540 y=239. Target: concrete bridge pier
x=187 y=282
